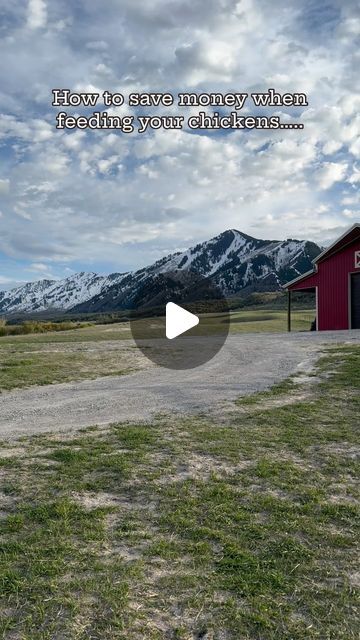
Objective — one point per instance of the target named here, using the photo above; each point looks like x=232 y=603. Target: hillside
x=234 y=261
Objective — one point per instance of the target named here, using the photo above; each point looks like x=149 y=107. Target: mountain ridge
x=234 y=261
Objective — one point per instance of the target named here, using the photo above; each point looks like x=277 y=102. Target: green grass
x=261 y=320
x=191 y=528
x=267 y=320
x=242 y=321
x=105 y=350
x=94 y=333
x=20 y=368
x=39 y=359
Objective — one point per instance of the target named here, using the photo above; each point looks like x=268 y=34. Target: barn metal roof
x=347 y=238
x=302 y=277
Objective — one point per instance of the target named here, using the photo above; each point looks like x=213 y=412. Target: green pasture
x=103 y=350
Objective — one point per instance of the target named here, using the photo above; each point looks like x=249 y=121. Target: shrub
x=35 y=326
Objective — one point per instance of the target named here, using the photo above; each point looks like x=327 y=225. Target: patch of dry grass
x=50 y=363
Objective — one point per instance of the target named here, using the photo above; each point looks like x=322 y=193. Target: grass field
x=48 y=363
x=244 y=528
x=102 y=350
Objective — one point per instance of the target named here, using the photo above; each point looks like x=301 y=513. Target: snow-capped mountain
x=236 y=262
x=56 y=294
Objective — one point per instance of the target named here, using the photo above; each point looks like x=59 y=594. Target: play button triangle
x=178 y=320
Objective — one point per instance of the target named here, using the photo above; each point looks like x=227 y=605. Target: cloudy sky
x=106 y=201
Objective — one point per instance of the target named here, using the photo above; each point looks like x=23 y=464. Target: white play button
x=178 y=320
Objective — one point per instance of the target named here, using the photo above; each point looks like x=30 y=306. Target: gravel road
x=246 y=364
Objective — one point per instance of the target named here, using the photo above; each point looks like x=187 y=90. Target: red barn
x=335 y=278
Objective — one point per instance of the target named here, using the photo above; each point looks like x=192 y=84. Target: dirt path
x=246 y=364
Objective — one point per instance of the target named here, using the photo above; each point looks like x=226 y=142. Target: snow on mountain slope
x=233 y=260
x=208 y=257
x=286 y=252
x=55 y=294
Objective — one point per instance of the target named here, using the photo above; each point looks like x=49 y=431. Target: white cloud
x=4 y=186
x=32 y=130
x=355 y=148
x=330 y=173
x=355 y=176
x=20 y=210
x=107 y=164
x=4 y=280
x=349 y=213
x=39 y=266
x=351 y=200
x=37 y=14
x=78 y=195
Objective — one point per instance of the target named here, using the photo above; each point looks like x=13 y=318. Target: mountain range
x=234 y=261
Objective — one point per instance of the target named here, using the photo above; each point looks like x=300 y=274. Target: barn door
x=355 y=300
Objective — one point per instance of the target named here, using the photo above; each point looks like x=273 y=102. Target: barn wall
x=332 y=280
x=307 y=283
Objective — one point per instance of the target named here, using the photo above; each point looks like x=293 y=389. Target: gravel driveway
x=246 y=364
